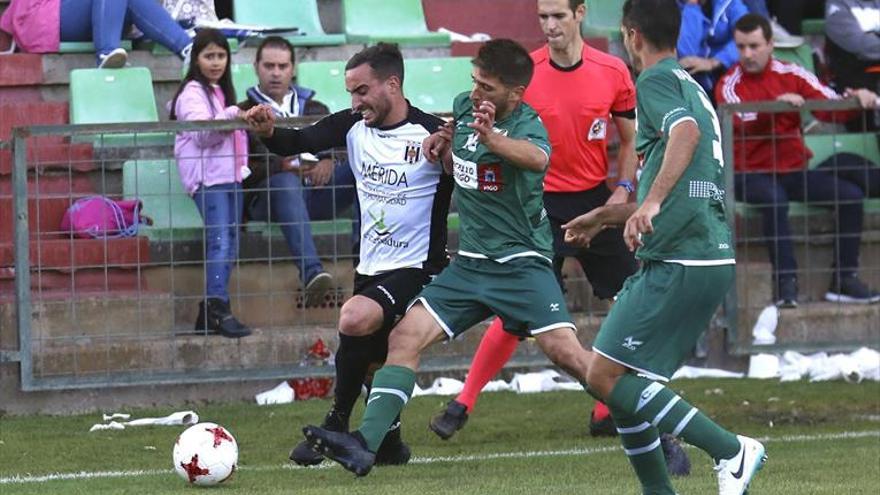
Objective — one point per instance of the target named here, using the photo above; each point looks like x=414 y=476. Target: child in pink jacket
x=212 y=165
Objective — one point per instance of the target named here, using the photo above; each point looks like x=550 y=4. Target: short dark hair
x=659 y=21
x=384 y=58
x=574 y=4
x=750 y=22
x=507 y=60
x=275 y=42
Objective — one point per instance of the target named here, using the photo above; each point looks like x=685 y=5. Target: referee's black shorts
x=607 y=262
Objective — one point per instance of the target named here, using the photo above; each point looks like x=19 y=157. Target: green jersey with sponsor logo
x=691 y=227
x=501 y=206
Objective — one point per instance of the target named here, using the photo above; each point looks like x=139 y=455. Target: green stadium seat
x=243 y=77
x=603 y=19
x=303 y=14
x=433 y=83
x=157 y=184
x=87 y=46
x=327 y=79
x=801 y=55
x=160 y=51
x=397 y=21
x=100 y=96
x=813 y=27
x=823 y=147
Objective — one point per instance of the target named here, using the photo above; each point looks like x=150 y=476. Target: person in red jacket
x=770 y=159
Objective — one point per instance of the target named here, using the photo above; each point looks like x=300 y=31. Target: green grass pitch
x=821 y=438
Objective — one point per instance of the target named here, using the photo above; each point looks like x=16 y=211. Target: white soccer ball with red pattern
x=205 y=454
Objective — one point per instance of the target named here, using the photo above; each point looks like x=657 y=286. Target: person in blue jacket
x=705 y=43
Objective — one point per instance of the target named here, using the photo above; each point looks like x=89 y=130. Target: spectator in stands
x=291 y=191
x=853 y=31
x=705 y=43
x=212 y=165
x=770 y=159
x=39 y=26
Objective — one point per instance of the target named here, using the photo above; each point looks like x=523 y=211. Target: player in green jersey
x=679 y=228
x=498 y=150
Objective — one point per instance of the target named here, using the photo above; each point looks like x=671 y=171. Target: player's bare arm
x=683 y=140
x=518 y=152
x=583 y=229
x=627 y=160
x=438 y=146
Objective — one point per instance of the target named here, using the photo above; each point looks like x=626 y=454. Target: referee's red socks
x=492 y=354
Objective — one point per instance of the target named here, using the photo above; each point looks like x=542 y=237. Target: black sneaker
x=452 y=419
x=303 y=454
x=393 y=452
x=316 y=289
x=348 y=449
x=604 y=427
x=677 y=461
x=787 y=292
x=850 y=289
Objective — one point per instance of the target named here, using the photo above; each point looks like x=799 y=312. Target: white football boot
x=735 y=474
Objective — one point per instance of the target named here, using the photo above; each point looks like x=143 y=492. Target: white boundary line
x=85 y=475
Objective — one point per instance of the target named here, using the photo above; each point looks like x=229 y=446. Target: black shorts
x=607 y=262
x=393 y=291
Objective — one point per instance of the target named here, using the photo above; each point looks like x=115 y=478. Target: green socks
x=657 y=406
x=391 y=390
x=641 y=442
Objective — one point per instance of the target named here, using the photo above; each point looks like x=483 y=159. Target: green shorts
x=660 y=313
x=523 y=292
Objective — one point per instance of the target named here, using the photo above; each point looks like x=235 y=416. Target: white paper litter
x=180 y=418
x=441 y=386
x=764 y=332
x=693 y=372
x=282 y=394
x=863 y=364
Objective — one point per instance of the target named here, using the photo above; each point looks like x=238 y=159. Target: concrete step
x=273 y=348
x=813 y=325
x=21 y=69
x=83 y=281
x=63 y=253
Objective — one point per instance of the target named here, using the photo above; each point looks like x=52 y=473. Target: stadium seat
x=327 y=79
x=157 y=184
x=801 y=55
x=115 y=96
x=303 y=14
x=243 y=77
x=862 y=144
x=603 y=19
x=433 y=83
x=813 y=27
x=397 y=21
x=87 y=46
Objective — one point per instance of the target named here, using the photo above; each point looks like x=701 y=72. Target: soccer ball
x=205 y=454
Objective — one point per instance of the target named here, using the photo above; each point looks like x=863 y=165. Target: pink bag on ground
x=98 y=217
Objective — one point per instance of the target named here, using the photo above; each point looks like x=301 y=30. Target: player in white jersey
x=404 y=201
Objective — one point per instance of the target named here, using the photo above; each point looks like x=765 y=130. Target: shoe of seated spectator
x=317 y=288
x=783 y=39
x=850 y=289
x=113 y=60
x=787 y=292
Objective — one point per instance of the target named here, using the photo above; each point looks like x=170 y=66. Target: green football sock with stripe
x=656 y=405
x=641 y=442
x=391 y=390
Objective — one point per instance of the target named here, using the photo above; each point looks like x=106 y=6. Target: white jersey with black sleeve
x=404 y=198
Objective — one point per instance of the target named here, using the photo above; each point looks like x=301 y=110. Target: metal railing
x=117 y=312
x=815 y=234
